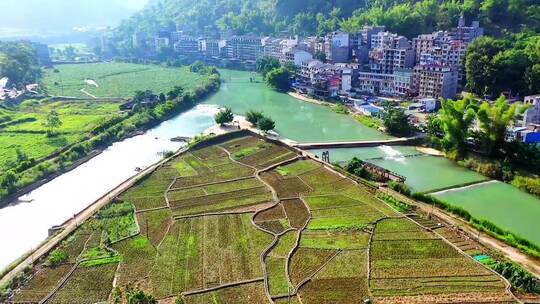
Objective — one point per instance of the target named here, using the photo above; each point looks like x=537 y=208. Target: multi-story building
x=532 y=115
x=161 y=43
x=390 y=52
x=243 y=48
x=186 y=45
x=376 y=83
x=435 y=81
x=210 y=47
x=338 y=47
x=295 y=56
x=404 y=83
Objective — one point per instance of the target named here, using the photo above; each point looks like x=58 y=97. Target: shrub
x=224 y=116
x=527 y=184
x=254 y=116
x=266 y=124
x=341 y=109
x=400 y=187
x=57 y=257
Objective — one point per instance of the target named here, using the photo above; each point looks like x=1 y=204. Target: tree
x=8 y=181
x=456 y=118
x=52 y=122
x=139 y=297
x=175 y=92
x=266 y=124
x=162 y=97
x=278 y=79
x=253 y=116
x=396 y=121
x=494 y=122
x=266 y=64
x=224 y=116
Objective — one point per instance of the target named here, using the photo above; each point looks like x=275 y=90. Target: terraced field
x=244 y=220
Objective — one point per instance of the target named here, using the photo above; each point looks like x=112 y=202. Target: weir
x=355 y=144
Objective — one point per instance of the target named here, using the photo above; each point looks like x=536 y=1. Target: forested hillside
x=407 y=17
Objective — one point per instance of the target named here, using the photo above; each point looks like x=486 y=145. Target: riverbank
x=127 y=127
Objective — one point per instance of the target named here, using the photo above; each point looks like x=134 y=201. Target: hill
x=308 y=17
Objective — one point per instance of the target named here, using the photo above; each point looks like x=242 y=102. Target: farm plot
x=87 y=285
x=138 y=256
x=256 y=152
x=297 y=213
x=334 y=239
x=116 y=79
x=43 y=281
x=339 y=212
x=149 y=193
x=406 y=266
x=206 y=252
x=273 y=219
x=118 y=222
x=289 y=187
x=221 y=201
x=342 y=280
x=241 y=294
x=154 y=224
x=305 y=263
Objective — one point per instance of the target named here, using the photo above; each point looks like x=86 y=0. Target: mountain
x=307 y=17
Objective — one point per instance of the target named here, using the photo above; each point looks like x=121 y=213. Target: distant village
x=363 y=69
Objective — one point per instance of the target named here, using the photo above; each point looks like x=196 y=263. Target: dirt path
x=529 y=263
x=86 y=93
x=72 y=224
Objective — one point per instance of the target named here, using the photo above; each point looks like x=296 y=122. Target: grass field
x=115 y=79
x=203 y=226
x=25 y=131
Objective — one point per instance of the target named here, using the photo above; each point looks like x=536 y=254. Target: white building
x=296 y=56
x=532 y=115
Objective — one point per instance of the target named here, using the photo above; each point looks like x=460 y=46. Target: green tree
x=139 y=297
x=396 y=121
x=253 y=116
x=456 y=118
x=278 y=79
x=266 y=124
x=8 y=181
x=495 y=119
x=266 y=64
x=52 y=122
x=224 y=116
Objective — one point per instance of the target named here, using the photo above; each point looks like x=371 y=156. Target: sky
x=53 y=16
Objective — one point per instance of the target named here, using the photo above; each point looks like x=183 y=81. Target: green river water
x=500 y=203
x=296 y=120
x=424 y=173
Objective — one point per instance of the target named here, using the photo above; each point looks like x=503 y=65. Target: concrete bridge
x=355 y=144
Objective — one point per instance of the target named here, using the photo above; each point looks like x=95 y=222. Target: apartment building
x=243 y=48
x=435 y=81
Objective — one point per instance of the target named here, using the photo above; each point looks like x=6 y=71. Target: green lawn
x=115 y=79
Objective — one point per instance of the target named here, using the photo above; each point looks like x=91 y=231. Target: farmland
x=115 y=79
x=24 y=130
x=240 y=219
